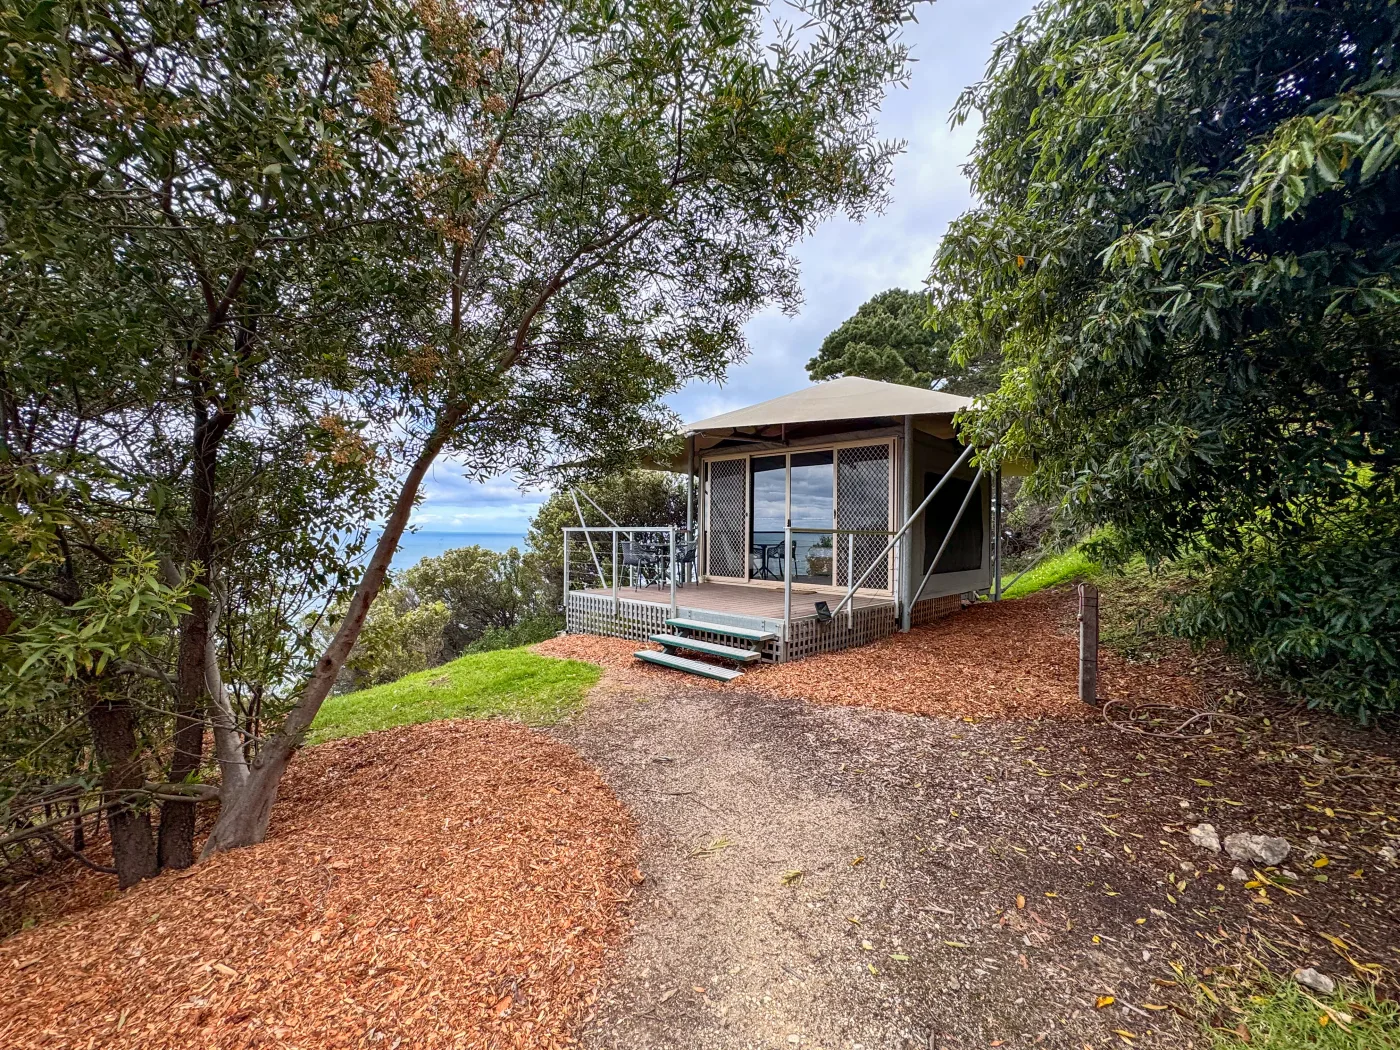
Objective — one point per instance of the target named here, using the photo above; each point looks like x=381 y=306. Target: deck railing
x=650 y=555
x=641 y=555
x=666 y=558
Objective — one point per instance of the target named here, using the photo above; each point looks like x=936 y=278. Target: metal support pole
x=689 y=486
x=906 y=559
x=701 y=557
x=602 y=580
x=616 y=604
x=671 y=540
x=787 y=588
x=1089 y=643
x=996 y=537
x=851 y=575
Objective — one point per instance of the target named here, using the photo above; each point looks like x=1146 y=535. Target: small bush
x=528 y=631
x=1323 y=615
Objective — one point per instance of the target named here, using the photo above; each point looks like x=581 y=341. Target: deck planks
x=740 y=599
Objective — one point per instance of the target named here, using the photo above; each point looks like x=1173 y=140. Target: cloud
x=844 y=262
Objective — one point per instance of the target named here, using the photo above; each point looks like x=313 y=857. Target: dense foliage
x=468 y=599
x=893 y=337
x=1187 y=250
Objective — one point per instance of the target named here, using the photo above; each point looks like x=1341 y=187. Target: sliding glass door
x=801 y=489
x=767 y=516
x=849 y=486
x=812 y=505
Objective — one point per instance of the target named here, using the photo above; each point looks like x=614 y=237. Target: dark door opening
x=964 y=552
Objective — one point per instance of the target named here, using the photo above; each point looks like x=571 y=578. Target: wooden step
x=748 y=634
x=680 y=663
x=726 y=652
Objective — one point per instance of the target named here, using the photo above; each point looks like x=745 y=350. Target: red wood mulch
x=455 y=884
x=1012 y=659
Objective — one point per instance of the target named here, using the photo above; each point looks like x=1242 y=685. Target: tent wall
x=934 y=456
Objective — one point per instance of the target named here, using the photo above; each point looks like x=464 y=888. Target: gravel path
x=914 y=838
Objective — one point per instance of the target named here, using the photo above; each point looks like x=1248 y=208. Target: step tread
x=680 y=663
x=749 y=634
x=728 y=652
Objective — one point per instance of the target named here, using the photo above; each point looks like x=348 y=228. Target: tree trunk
x=113 y=726
x=192 y=694
x=228 y=743
x=243 y=819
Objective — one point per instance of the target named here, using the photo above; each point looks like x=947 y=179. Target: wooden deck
x=740 y=599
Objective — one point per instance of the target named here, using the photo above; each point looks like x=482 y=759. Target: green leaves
x=1199 y=345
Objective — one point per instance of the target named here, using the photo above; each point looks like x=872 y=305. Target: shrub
x=1323 y=613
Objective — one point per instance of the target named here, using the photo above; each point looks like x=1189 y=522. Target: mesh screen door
x=863 y=502
x=725 y=519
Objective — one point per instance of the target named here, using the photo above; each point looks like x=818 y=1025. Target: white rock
x=1258 y=849
x=1314 y=981
x=1239 y=874
x=1204 y=835
x=1388 y=854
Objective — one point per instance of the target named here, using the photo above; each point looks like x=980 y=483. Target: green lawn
x=506 y=683
x=1060 y=568
x=1278 y=1015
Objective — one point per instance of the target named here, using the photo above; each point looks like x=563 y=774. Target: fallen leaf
x=1104 y=1000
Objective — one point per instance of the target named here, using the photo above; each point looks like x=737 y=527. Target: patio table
x=765 y=552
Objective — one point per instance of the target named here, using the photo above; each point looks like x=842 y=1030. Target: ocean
x=415 y=546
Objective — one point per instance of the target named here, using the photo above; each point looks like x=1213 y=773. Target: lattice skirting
x=593 y=614
x=932 y=608
x=810 y=637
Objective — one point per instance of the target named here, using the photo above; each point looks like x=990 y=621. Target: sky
x=843 y=263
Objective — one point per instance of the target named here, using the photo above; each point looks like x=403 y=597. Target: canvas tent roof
x=850 y=397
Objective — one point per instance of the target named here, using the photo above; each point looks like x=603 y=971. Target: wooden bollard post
x=1089 y=643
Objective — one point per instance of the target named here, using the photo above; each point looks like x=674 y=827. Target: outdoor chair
x=685 y=562
x=640 y=558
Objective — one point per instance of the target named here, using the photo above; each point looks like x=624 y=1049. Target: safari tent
x=820 y=520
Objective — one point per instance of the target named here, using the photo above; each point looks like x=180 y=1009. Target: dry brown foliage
x=455 y=884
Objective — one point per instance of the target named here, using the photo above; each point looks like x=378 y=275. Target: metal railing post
x=671 y=538
x=851 y=575
x=787 y=588
x=996 y=540
x=616 y=604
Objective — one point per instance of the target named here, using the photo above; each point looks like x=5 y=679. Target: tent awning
x=850 y=397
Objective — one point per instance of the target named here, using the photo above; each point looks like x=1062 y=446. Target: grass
x=1059 y=568
x=505 y=683
x=1279 y=1015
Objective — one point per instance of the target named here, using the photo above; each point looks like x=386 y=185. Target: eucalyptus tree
x=199 y=207
x=1186 y=248
x=614 y=194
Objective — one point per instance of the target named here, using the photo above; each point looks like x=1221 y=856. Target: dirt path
x=915 y=836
